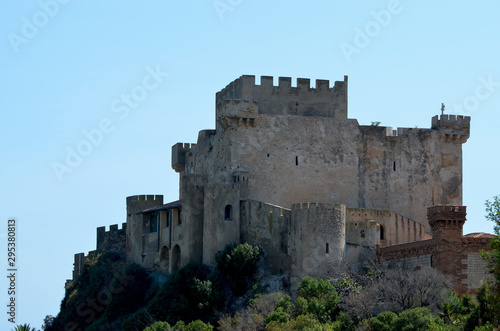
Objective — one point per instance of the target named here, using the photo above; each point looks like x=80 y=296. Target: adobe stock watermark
x=31 y=26
x=364 y=36
x=122 y=106
x=483 y=91
x=97 y=304
x=223 y=6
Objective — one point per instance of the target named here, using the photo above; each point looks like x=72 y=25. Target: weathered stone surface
x=287 y=170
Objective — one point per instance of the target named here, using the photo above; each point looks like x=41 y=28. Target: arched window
x=228 y=213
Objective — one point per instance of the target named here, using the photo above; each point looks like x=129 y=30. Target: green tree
x=489 y=293
x=159 y=326
x=420 y=318
x=47 y=322
x=24 y=327
x=321 y=298
x=460 y=311
x=238 y=263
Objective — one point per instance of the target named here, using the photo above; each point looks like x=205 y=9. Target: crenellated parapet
x=446 y=222
x=283 y=99
x=455 y=129
x=317 y=205
x=155 y=199
x=113 y=240
x=179 y=151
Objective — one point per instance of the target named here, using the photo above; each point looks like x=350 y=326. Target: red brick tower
x=446 y=223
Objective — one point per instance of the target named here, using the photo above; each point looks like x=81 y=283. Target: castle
x=287 y=170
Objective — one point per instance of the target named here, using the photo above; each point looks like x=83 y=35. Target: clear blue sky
x=65 y=67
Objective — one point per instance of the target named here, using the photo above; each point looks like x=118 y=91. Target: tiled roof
x=169 y=205
x=479 y=235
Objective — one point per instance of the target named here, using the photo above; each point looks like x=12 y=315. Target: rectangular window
x=153 y=222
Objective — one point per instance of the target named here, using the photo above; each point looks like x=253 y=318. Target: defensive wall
x=451 y=253
x=317 y=240
x=113 y=240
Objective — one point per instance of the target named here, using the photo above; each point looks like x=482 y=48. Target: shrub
x=279 y=316
x=107 y=290
x=159 y=326
x=321 y=298
x=187 y=295
x=238 y=264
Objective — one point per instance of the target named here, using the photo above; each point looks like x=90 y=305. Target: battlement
x=446 y=222
x=369 y=213
x=113 y=240
x=450 y=122
x=112 y=228
x=179 y=151
x=144 y=197
x=456 y=129
x=78 y=265
x=446 y=213
x=283 y=99
x=242 y=85
x=269 y=207
x=317 y=205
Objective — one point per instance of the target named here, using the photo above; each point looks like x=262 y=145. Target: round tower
x=446 y=222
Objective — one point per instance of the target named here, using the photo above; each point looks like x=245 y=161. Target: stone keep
x=284 y=145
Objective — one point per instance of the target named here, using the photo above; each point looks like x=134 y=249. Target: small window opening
x=296 y=160
x=394 y=165
x=267 y=155
x=382 y=234
x=327 y=248
x=238 y=178
x=228 y=213
x=153 y=222
x=180 y=219
x=168 y=218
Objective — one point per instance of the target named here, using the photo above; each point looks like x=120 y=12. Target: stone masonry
x=286 y=169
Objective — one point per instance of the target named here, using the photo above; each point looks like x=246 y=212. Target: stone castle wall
x=298 y=145
x=268 y=227
x=113 y=240
x=317 y=240
x=275 y=147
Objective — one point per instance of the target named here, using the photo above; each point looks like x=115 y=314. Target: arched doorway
x=176 y=258
x=164 y=258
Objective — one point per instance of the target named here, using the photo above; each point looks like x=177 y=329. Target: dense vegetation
x=111 y=295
